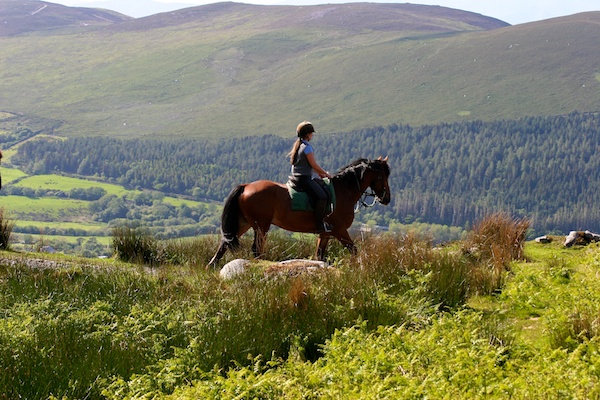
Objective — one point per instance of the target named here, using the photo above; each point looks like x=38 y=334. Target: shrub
x=498 y=238
x=6 y=228
x=136 y=246
x=390 y=259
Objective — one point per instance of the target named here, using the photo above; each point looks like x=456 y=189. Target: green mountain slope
x=231 y=69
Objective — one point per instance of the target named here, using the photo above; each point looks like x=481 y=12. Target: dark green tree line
x=543 y=168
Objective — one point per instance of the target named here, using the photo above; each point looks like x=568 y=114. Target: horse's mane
x=353 y=171
x=352 y=167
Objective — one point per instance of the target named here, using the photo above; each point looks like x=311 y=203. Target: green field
x=92 y=228
x=45 y=208
x=58 y=220
x=64 y=183
x=36 y=239
x=10 y=174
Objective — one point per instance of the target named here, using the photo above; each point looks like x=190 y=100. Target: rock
x=571 y=238
x=543 y=239
x=234 y=268
x=306 y=263
x=581 y=237
x=296 y=267
x=592 y=237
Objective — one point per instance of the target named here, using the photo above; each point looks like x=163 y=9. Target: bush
x=6 y=228
x=389 y=258
x=136 y=246
x=498 y=238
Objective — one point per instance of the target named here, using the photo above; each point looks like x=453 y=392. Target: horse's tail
x=230 y=225
x=230 y=219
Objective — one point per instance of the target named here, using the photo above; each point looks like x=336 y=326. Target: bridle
x=362 y=201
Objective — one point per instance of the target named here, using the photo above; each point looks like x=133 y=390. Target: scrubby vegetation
x=402 y=319
x=6 y=227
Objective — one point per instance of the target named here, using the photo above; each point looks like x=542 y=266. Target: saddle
x=301 y=201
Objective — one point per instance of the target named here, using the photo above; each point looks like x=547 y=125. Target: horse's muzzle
x=385 y=199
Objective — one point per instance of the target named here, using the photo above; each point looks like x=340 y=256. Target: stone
x=234 y=268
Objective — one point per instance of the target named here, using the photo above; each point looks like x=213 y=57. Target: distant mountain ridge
x=350 y=16
x=232 y=69
x=21 y=16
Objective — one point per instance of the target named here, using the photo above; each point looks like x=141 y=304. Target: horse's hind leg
x=226 y=244
x=223 y=246
x=260 y=237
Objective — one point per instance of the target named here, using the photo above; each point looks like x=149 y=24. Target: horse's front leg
x=322 y=242
x=347 y=242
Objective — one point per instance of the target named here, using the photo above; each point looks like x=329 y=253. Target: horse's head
x=363 y=174
x=377 y=173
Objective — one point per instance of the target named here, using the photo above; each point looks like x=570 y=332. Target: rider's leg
x=316 y=191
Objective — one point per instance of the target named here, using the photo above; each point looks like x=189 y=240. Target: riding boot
x=320 y=210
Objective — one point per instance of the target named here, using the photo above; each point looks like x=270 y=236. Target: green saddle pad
x=300 y=200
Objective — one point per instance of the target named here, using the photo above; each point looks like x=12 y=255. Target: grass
x=44 y=208
x=11 y=174
x=91 y=227
x=378 y=324
x=65 y=184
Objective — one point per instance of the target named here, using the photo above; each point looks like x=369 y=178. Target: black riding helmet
x=304 y=128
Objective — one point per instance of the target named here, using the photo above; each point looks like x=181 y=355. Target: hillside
x=230 y=69
x=24 y=16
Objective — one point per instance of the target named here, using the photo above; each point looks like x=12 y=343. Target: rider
x=303 y=162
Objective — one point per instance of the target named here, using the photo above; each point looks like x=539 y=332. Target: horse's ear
x=379 y=158
x=385 y=159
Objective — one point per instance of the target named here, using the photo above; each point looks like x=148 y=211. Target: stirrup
x=324 y=227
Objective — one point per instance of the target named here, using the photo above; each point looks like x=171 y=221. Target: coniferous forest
x=545 y=169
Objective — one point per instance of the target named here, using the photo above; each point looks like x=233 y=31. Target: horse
x=263 y=203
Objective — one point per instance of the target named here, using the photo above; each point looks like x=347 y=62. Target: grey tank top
x=302 y=167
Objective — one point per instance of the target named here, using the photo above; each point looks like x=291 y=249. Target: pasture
x=65 y=184
x=44 y=208
x=10 y=174
x=63 y=221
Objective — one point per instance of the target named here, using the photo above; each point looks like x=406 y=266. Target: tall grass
x=136 y=246
x=122 y=331
x=498 y=238
x=492 y=245
x=6 y=227
x=64 y=330
x=139 y=246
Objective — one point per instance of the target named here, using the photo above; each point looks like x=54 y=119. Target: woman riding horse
x=260 y=204
x=302 y=158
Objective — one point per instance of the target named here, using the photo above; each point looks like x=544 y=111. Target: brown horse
x=259 y=204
